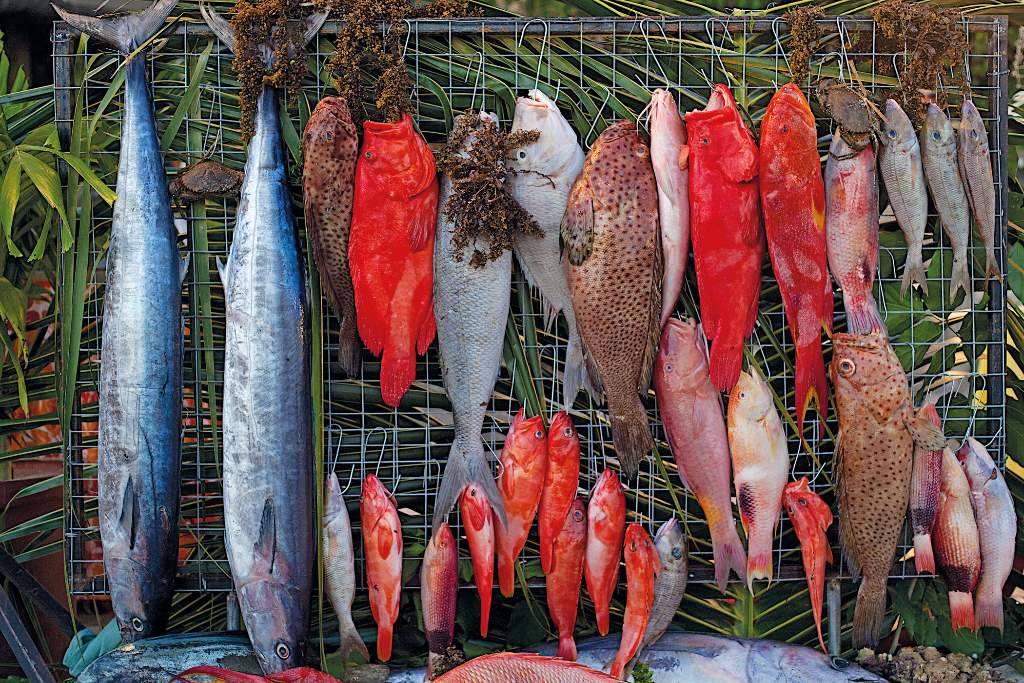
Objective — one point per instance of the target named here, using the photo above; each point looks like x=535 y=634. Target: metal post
x=25 y=650
x=835 y=622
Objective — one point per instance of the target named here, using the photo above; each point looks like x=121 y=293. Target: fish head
x=139 y=611
x=720 y=136
x=375 y=502
x=607 y=507
x=576 y=521
x=274 y=616
x=331 y=124
x=928 y=412
x=334 y=500
x=794 y=663
x=562 y=438
x=476 y=123
x=806 y=509
x=441 y=545
x=682 y=360
x=790 y=105
x=897 y=128
x=750 y=398
x=395 y=154
x=526 y=435
x=670 y=542
x=666 y=123
x=973 y=136
x=937 y=132
x=556 y=143
x=978 y=465
x=865 y=365
x=639 y=549
x=475 y=508
x=954 y=482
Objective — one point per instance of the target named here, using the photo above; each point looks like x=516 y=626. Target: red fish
x=522 y=667
x=642 y=564
x=478 y=522
x=382 y=547
x=563 y=581
x=524 y=460
x=811 y=518
x=302 y=674
x=391 y=249
x=793 y=200
x=439 y=587
x=725 y=229
x=925 y=481
x=560 y=483
x=606 y=525
x=957 y=543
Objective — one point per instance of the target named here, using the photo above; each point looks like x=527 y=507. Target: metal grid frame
x=406 y=446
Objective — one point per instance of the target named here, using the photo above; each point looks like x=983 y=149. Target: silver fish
x=670 y=584
x=339 y=568
x=471 y=307
x=542 y=175
x=156 y=660
x=268 y=440
x=140 y=379
x=976 y=173
x=903 y=173
x=938 y=150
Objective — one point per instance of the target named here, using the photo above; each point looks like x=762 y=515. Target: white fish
x=339 y=568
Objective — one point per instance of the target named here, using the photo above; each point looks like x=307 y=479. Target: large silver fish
x=903 y=173
x=267 y=418
x=140 y=377
x=156 y=660
x=542 y=176
x=471 y=307
x=339 y=568
x=976 y=173
x=938 y=150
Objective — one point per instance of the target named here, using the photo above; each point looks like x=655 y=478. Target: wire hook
x=645 y=33
x=476 y=81
x=597 y=117
x=544 y=42
x=716 y=50
x=781 y=50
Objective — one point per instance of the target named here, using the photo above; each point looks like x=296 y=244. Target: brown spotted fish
x=612 y=258
x=877 y=433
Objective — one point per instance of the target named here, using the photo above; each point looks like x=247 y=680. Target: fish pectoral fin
x=925 y=434
x=577 y=229
x=129 y=519
x=684 y=157
x=384 y=538
x=265 y=546
x=424 y=221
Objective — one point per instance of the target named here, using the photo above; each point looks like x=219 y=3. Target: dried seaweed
x=480 y=205
x=804 y=35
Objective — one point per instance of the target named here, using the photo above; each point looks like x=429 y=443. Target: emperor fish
x=542 y=174
x=903 y=173
x=267 y=418
x=877 y=433
x=339 y=568
x=938 y=149
x=613 y=262
x=976 y=173
x=139 y=455
x=670 y=158
x=471 y=307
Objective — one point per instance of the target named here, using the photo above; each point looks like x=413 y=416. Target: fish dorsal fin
x=925 y=434
x=577 y=229
x=129 y=513
x=126 y=33
x=265 y=547
x=654 y=317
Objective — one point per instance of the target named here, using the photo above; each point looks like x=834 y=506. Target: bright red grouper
x=642 y=564
x=606 y=526
x=811 y=518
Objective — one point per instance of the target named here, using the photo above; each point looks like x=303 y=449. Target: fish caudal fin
x=603 y=617
x=566 y=647
x=862 y=317
x=126 y=33
x=506 y=571
x=924 y=556
x=466 y=463
x=349 y=351
x=961 y=610
x=914 y=273
x=630 y=434
x=574 y=374
x=988 y=607
x=351 y=641
x=959 y=279
x=384 y=642
x=428 y=330
x=869 y=612
x=992 y=265
x=396 y=376
x=811 y=382
x=726 y=363
x=728 y=553
x=226 y=33
x=759 y=566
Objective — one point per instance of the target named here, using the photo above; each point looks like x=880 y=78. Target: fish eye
x=994 y=475
x=803 y=503
x=538 y=434
x=892 y=133
x=935 y=135
x=137 y=624
x=578 y=515
x=329 y=135
x=369 y=155
x=641 y=151
x=705 y=140
x=846 y=367
x=282 y=651
x=743 y=395
x=677 y=552
x=668 y=367
x=567 y=431
x=974 y=134
x=522 y=154
x=785 y=129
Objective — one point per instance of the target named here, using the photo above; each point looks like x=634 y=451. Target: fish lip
x=388 y=129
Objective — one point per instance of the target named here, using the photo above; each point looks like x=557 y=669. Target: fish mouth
x=720 y=98
x=385 y=129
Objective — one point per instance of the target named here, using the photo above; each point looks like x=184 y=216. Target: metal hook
x=824 y=59
x=383 y=444
x=593 y=124
x=896 y=70
x=476 y=81
x=782 y=51
x=544 y=42
x=335 y=456
x=645 y=33
x=843 y=55
x=716 y=52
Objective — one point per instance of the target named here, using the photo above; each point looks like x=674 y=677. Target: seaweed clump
x=927 y=665
x=480 y=205
x=804 y=35
x=258 y=23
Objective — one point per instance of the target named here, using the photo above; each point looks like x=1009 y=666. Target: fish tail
x=384 y=642
x=485 y=608
x=991 y=264
x=759 y=566
x=630 y=434
x=961 y=610
x=506 y=571
x=466 y=463
x=351 y=641
x=728 y=552
x=726 y=362
x=126 y=33
x=913 y=272
x=349 y=351
x=959 y=279
x=811 y=382
x=924 y=555
x=217 y=673
x=226 y=33
x=428 y=330
x=816 y=592
x=869 y=611
x=573 y=376
x=618 y=667
x=603 y=617
x=862 y=316
x=988 y=606
x=566 y=646
x=396 y=376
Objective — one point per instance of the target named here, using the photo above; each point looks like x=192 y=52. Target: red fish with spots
x=565 y=575
x=811 y=518
x=391 y=250
x=725 y=229
x=793 y=201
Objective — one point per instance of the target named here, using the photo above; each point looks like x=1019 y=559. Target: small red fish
x=522 y=667
x=642 y=565
x=925 y=480
x=391 y=249
x=382 y=547
x=725 y=229
x=478 y=522
x=811 y=518
x=439 y=587
x=957 y=543
x=302 y=674
x=606 y=526
x=563 y=581
x=524 y=461
x=560 y=483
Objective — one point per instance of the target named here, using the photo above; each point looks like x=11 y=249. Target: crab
x=206 y=178
x=851 y=111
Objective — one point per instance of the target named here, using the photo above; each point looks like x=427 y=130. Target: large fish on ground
x=793 y=201
x=811 y=518
x=155 y=660
x=725 y=224
x=330 y=145
x=642 y=565
x=975 y=163
x=851 y=231
x=391 y=250
x=478 y=522
x=565 y=576
x=877 y=434
x=924 y=497
x=382 y=548
x=561 y=480
x=669 y=587
x=267 y=417
x=606 y=527
x=612 y=257
x=957 y=548
x=522 y=668
x=439 y=588
x=903 y=173
x=997 y=531
x=139 y=455
x=339 y=568
x=520 y=483
x=542 y=174
x=205 y=674
x=760 y=467
x=670 y=158
x=471 y=307
x=691 y=409
x=938 y=150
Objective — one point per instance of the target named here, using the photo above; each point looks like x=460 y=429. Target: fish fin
x=573 y=372
x=396 y=376
x=466 y=463
x=869 y=611
x=351 y=641
x=350 y=355
x=726 y=362
x=384 y=637
x=566 y=647
x=913 y=272
x=959 y=279
x=219 y=25
x=594 y=377
x=925 y=434
x=384 y=537
x=811 y=382
x=130 y=513
x=424 y=220
x=631 y=434
x=265 y=546
x=216 y=673
x=125 y=33
x=924 y=554
x=828 y=551
x=961 y=611
x=224 y=270
x=653 y=320
x=506 y=567
x=992 y=269
x=428 y=330
x=577 y=228
x=759 y=566
x=728 y=553
x=684 y=157
x=863 y=317
x=988 y=607
x=182 y=270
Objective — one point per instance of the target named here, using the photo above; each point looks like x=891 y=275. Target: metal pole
x=835 y=623
x=25 y=650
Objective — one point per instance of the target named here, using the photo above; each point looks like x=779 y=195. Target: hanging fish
x=793 y=200
x=561 y=480
x=382 y=548
x=391 y=250
x=565 y=575
x=642 y=565
x=975 y=163
x=725 y=225
x=612 y=257
x=606 y=526
x=957 y=547
x=139 y=453
x=811 y=518
x=439 y=588
x=691 y=408
x=339 y=568
x=479 y=526
x=670 y=585
x=330 y=145
x=924 y=496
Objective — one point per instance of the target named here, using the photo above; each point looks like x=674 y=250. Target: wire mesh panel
x=954 y=351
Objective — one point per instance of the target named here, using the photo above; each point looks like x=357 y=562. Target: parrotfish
x=924 y=497
x=957 y=546
x=439 y=588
